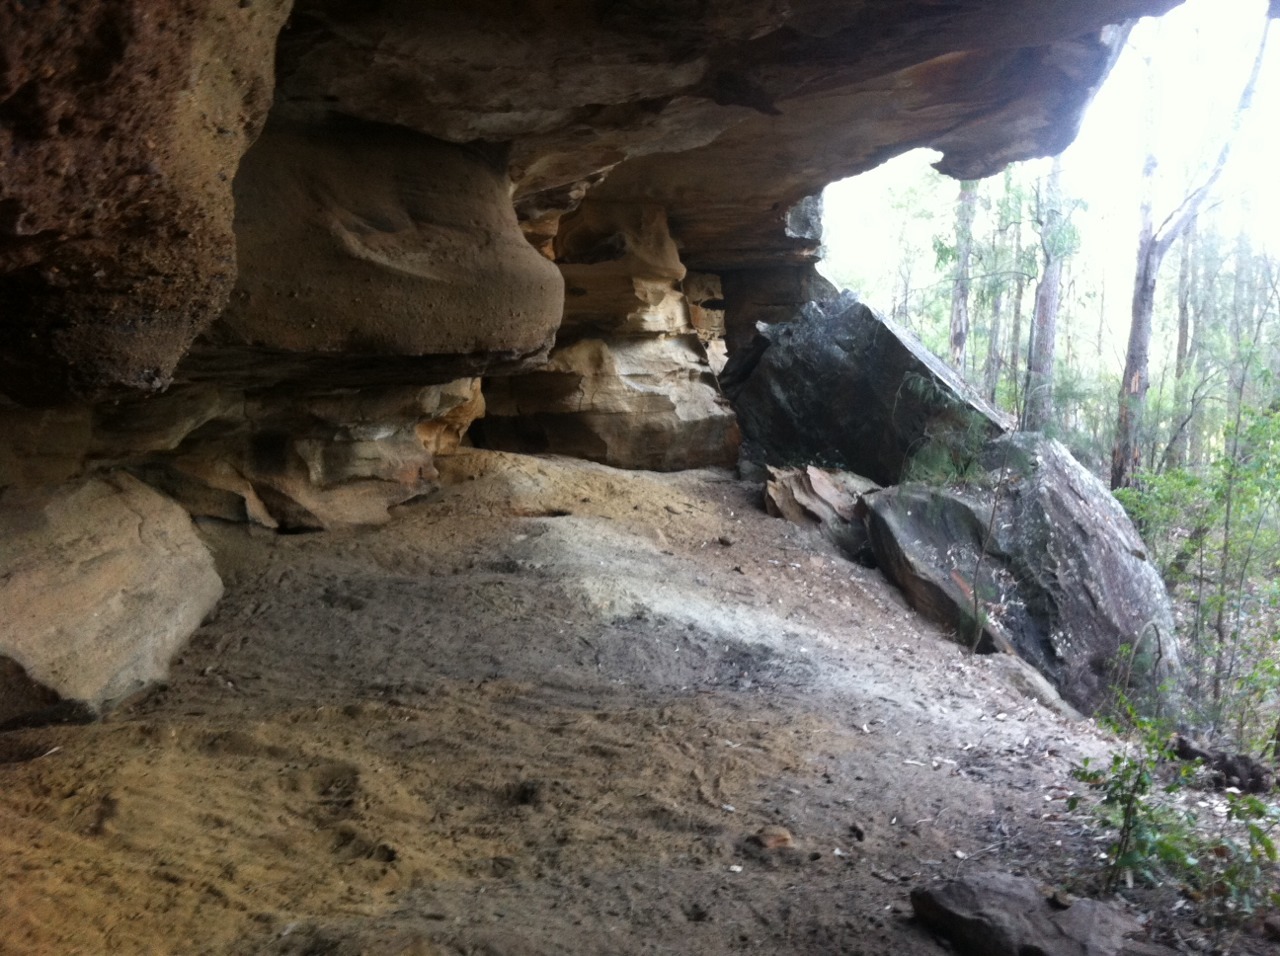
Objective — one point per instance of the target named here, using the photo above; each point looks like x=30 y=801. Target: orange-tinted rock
x=319 y=461
x=622 y=272
x=633 y=403
x=630 y=384
x=121 y=127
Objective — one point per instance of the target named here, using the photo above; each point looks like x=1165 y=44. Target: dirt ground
x=553 y=709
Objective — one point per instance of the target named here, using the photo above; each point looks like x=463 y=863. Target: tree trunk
x=1038 y=405
x=1204 y=320
x=1015 y=327
x=902 y=301
x=991 y=367
x=1127 y=451
x=966 y=203
x=1153 y=243
x=1176 y=454
x=1239 y=321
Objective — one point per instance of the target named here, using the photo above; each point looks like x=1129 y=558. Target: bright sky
x=1200 y=54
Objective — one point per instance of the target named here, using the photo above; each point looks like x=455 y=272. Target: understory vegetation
x=1170 y=823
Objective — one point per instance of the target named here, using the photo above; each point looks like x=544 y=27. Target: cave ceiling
x=383 y=181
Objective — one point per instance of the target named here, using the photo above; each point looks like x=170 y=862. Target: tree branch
x=1177 y=221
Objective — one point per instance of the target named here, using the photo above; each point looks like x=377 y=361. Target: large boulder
x=849 y=389
x=769 y=296
x=998 y=914
x=1037 y=559
x=101 y=582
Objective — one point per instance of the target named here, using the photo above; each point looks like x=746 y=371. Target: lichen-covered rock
x=101 y=582
x=846 y=388
x=1039 y=560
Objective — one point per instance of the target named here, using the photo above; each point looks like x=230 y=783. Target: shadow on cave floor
x=556 y=708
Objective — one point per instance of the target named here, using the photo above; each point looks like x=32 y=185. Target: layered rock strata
x=630 y=383
x=323 y=459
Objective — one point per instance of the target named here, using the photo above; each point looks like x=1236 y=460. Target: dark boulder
x=998 y=914
x=1226 y=769
x=1036 y=559
x=846 y=388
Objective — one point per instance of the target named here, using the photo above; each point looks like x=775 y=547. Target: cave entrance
x=965 y=265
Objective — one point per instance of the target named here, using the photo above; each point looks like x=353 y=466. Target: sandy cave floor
x=545 y=711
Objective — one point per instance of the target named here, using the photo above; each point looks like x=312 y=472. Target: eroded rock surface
x=630 y=383
x=639 y=403
x=317 y=462
x=121 y=132
x=369 y=239
x=121 y=127
x=101 y=581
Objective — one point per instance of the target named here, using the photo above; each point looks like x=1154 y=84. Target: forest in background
x=1018 y=283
